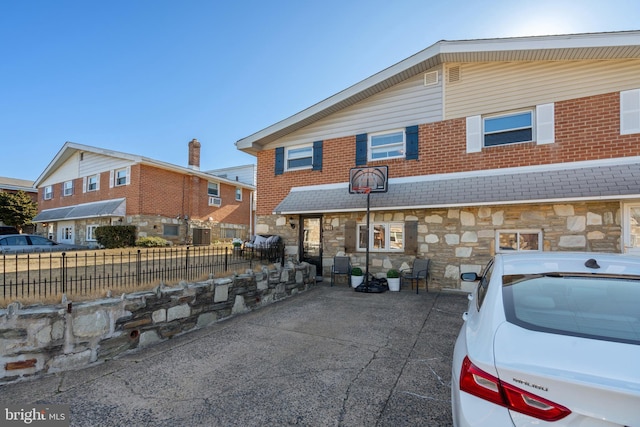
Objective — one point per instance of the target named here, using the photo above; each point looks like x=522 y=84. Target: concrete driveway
x=326 y=357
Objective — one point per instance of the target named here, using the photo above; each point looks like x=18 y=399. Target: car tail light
x=475 y=381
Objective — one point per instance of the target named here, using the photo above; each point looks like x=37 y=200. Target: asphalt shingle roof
x=596 y=182
x=115 y=207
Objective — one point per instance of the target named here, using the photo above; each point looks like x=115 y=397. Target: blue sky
x=147 y=76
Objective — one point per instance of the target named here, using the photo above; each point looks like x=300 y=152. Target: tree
x=17 y=209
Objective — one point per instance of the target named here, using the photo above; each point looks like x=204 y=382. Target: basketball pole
x=366 y=274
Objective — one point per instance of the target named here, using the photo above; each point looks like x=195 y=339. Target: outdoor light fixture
x=292 y=222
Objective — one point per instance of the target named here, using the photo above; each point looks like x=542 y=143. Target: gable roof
x=16 y=184
x=614 y=45
x=70 y=148
x=580 y=181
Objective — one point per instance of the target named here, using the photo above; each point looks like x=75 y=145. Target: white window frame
x=48 y=192
x=96 y=182
x=505 y=130
x=67 y=188
x=238 y=194
x=518 y=233
x=384 y=151
x=91 y=232
x=298 y=152
x=387 y=243
x=213 y=189
x=120 y=175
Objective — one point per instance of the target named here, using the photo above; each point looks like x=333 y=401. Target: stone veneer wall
x=463 y=239
x=47 y=339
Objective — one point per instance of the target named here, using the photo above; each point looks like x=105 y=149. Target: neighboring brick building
x=528 y=143
x=85 y=187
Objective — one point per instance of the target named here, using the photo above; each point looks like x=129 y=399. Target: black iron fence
x=42 y=275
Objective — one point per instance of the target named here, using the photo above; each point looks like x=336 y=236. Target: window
x=300 y=157
x=48 y=192
x=212 y=189
x=230 y=233
x=67 y=188
x=121 y=177
x=483 y=284
x=389 y=145
x=170 y=230
x=508 y=128
x=91 y=232
x=383 y=237
x=518 y=240
x=66 y=233
x=92 y=183
x=238 y=194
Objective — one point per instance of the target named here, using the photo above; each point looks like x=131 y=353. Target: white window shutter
x=111 y=172
x=545 y=126
x=128 y=175
x=630 y=111
x=97 y=182
x=84 y=184
x=474 y=134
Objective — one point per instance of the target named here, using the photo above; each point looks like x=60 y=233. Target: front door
x=311 y=242
x=631 y=235
x=66 y=232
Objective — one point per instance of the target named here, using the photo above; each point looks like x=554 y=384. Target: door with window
x=631 y=232
x=310 y=239
x=66 y=232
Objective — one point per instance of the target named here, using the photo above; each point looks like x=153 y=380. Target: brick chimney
x=194 y=154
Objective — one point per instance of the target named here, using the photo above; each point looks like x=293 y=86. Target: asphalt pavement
x=326 y=357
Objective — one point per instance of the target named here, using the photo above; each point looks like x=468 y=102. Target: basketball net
x=362 y=190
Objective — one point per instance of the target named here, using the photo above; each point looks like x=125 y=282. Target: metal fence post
x=63 y=272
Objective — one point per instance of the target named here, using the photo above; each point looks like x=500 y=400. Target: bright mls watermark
x=35 y=415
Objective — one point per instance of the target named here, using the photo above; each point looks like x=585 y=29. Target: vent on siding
x=454 y=74
x=430 y=78
x=215 y=201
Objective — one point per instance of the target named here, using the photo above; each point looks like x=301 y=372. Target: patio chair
x=419 y=271
x=341 y=266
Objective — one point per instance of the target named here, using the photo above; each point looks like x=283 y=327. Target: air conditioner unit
x=215 y=201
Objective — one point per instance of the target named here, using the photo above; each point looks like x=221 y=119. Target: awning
x=105 y=208
x=618 y=179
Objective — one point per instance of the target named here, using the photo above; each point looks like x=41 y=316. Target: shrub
x=116 y=236
x=393 y=274
x=356 y=271
x=152 y=242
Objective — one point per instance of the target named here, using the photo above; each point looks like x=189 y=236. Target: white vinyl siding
x=630 y=112
x=407 y=103
x=490 y=87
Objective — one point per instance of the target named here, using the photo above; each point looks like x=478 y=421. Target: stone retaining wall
x=46 y=339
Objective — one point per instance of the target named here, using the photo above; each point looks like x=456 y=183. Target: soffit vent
x=431 y=78
x=453 y=74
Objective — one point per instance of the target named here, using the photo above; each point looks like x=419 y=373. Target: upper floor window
x=383 y=237
x=300 y=157
x=388 y=145
x=92 y=183
x=518 y=240
x=213 y=189
x=67 y=188
x=48 y=192
x=238 y=194
x=121 y=176
x=508 y=128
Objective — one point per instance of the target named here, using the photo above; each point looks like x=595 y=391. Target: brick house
x=493 y=145
x=84 y=187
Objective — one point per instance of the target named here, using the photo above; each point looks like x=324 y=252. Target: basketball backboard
x=365 y=180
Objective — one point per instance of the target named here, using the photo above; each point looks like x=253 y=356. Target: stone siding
x=48 y=339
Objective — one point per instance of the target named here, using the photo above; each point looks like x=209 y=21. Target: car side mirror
x=469 y=277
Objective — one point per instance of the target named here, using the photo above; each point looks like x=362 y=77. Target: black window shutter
x=412 y=143
x=361 y=149
x=279 y=160
x=411 y=237
x=317 y=156
x=350 y=236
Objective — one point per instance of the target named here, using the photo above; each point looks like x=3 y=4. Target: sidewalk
x=326 y=357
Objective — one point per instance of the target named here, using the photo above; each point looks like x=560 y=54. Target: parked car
x=550 y=339
x=7 y=229
x=21 y=243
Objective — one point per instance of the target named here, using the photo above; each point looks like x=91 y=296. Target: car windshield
x=604 y=307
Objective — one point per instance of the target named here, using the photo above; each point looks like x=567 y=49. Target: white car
x=550 y=339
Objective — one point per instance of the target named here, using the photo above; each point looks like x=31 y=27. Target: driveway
x=326 y=357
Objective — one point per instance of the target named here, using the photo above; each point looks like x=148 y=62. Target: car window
x=585 y=305
x=14 y=241
x=483 y=283
x=37 y=240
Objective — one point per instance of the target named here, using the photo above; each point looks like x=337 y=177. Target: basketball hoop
x=365 y=180
x=362 y=190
